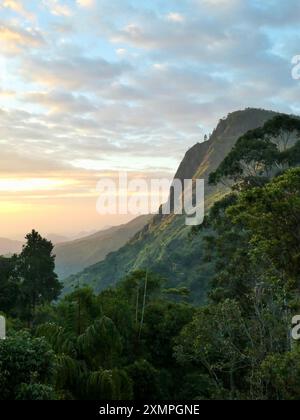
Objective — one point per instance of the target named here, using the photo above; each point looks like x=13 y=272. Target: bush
x=24 y=361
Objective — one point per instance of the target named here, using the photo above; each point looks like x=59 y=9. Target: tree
x=282 y=130
x=279 y=376
x=261 y=153
x=36 y=392
x=25 y=363
x=163 y=322
x=79 y=310
x=145 y=379
x=140 y=287
x=252 y=157
x=214 y=343
x=9 y=285
x=88 y=346
x=88 y=364
x=272 y=215
x=243 y=337
x=36 y=265
x=226 y=246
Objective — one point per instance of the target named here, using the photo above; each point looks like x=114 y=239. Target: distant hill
x=74 y=256
x=165 y=245
x=56 y=239
x=8 y=246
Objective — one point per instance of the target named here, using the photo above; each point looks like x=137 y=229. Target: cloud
x=218 y=3
x=60 y=102
x=175 y=17
x=172 y=40
x=18 y=7
x=86 y=3
x=74 y=73
x=122 y=52
x=14 y=39
x=7 y=93
x=57 y=8
x=121 y=84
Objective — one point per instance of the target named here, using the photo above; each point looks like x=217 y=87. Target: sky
x=92 y=87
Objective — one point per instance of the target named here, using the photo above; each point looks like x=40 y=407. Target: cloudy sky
x=91 y=87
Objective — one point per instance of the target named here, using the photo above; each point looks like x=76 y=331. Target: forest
x=145 y=340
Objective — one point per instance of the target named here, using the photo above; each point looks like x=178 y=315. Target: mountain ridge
x=74 y=256
x=164 y=244
x=10 y=246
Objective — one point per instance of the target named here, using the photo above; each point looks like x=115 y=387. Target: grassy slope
x=164 y=245
x=74 y=256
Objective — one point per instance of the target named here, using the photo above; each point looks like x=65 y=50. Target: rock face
x=203 y=158
x=164 y=244
x=192 y=161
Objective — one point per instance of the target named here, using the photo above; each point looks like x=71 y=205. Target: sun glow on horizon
x=9 y=207
x=93 y=88
x=30 y=184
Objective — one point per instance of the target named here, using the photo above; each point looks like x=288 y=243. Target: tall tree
x=272 y=215
x=9 y=285
x=36 y=265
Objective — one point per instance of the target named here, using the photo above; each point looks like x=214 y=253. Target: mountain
x=8 y=246
x=165 y=245
x=84 y=234
x=56 y=239
x=74 y=256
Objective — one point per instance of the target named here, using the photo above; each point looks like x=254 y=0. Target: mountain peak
x=165 y=239
x=204 y=157
x=239 y=122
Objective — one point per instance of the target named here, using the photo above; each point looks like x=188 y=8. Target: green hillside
x=165 y=245
x=74 y=256
x=142 y=338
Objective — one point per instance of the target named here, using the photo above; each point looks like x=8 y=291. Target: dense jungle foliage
x=142 y=340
